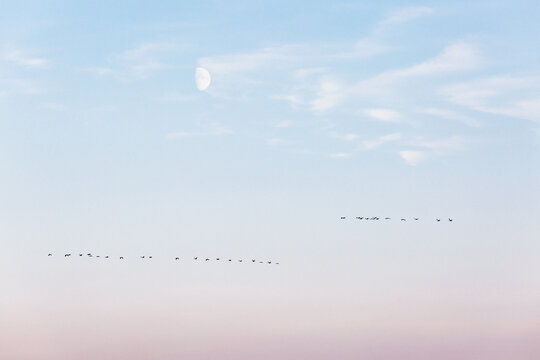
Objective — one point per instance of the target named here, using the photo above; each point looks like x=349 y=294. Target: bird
x=403 y=220
x=386 y=218
x=239 y=260
x=252 y=260
x=142 y=257
x=438 y=219
x=277 y=263
x=343 y=218
x=206 y=259
x=450 y=219
x=149 y=257
x=121 y=258
x=49 y=255
x=66 y=255
x=359 y=217
x=195 y=258
x=260 y=262
x=415 y=218
x=217 y=259
x=106 y=257
x=97 y=256
x=177 y=258
x=269 y=262
x=230 y=259
x=80 y=254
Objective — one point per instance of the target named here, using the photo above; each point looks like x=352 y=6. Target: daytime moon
x=202 y=78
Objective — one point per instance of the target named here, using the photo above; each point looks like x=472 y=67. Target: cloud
x=405 y=15
x=52 y=106
x=385 y=115
x=516 y=96
x=139 y=62
x=284 y=124
x=329 y=93
x=275 y=142
x=372 y=144
x=212 y=130
x=413 y=157
x=175 y=97
x=19 y=58
x=450 y=115
x=347 y=137
x=340 y=155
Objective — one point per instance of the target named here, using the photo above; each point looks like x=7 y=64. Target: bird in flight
x=403 y=220
x=195 y=258
x=415 y=218
x=359 y=217
x=450 y=219
x=206 y=259
x=217 y=259
x=80 y=254
x=438 y=220
x=49 y=255
x=66 y=255
x=121 y=258
x=252 y=260
x=177 y=258
x=343 y=217
x=142 y=257
x=239 y=260
x=386 y=218
x=106 y=257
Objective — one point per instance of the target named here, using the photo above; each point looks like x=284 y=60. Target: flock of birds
x=387 y=218
x=176 y=258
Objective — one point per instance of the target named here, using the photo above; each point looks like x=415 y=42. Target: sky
x=315 y=110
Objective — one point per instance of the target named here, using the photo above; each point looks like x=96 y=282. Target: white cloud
x=340 y=155
x=212 y=130
x=413 y=157
x=329 y=93
x=372 y=144
x=405 y=15
x=275 y=141
x=175 y=97
x=385 y=115
x=451 y=115
x=441 y=146
x=20 y=59
x=139 y=62
x=347 y=137
x=508 y=95
x=52 y=106
x=284 y=124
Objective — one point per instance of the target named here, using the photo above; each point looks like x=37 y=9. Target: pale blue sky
x=315 y=111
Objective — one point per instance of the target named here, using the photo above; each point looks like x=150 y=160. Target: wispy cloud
x=212 y=130
x=450 y=115
x=372 y=144
x=175 y=97
x=509 y=95
x=19 y=58
x=139 y=62
x=385 y=115
x=405 y=15
x=341 y=155
x=275 y=141
x=413 y=157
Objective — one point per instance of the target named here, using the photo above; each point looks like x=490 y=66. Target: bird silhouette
x=217 y=259
x=121 y=258
x=206 y=259
x=252 y=260
x=142 y=257
x=80 y=254
x=415 y=218
x=450 y=219
x=195 y=258
x=359 y=217
x=403 y=220
x=230 y=259
x=343 y=217
x=106 y=257
x=97 y=256
x=149 y=257
x=386 y=218
x=239 y=260
x=277 y=263
x=66 y=255
x=438 y=220
x=177 y=258
x=269 y=262
x=49 y=255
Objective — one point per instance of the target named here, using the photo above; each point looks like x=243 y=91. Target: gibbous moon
x=202 y=78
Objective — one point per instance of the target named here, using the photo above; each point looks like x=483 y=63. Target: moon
x=202 y=78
